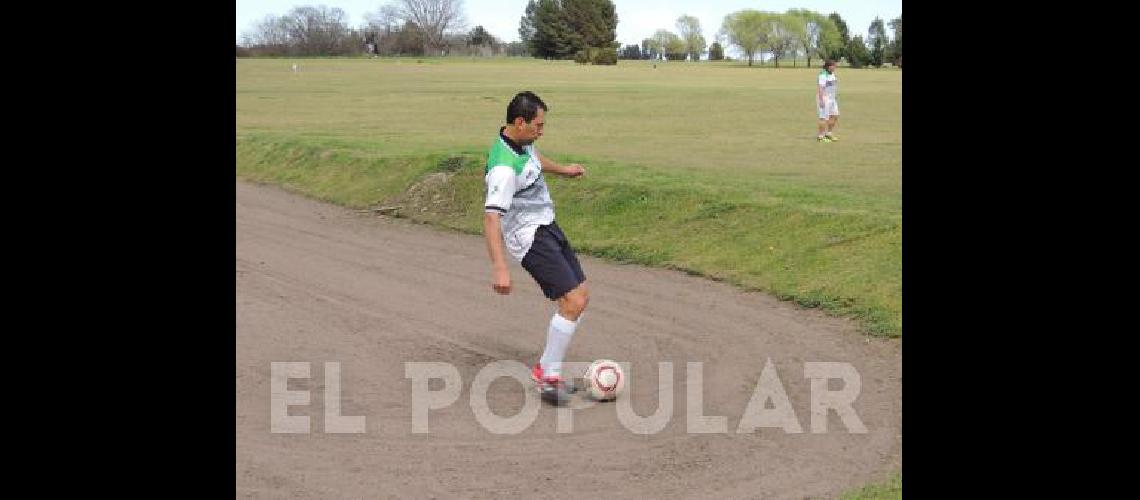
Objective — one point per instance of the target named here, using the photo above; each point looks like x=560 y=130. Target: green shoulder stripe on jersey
x=501 y=154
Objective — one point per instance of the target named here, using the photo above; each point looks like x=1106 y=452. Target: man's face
x=530 y=132
x=831 y=68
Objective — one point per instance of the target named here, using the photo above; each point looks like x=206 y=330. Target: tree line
x=793 y=34
x=399 y=27
x=583 y=30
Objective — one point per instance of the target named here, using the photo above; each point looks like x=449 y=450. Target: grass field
x=708 y=168
x=891 y=489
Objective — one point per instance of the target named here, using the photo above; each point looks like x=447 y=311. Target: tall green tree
x=746 y=29
x=649 y=49
x=689 y=27
x=857 y=55
x=526 y=23
x=480 y=38
x=631 y=51
x=592 y=23
x=716 y=52
x=559 y=29
x=783 y=35
x=877 y=42
x=895 y=49
x=551 y=38
x=840 y=50
x=819 y=38
x=668 y=44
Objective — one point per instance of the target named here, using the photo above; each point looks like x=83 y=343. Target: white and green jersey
x=827 y=80
x=517 y=190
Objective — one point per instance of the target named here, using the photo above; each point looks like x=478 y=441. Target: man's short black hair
x=525 y=104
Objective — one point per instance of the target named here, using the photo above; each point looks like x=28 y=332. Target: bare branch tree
x=317 y=30
x=271 y=31
x=387 y=19
x=435 y=17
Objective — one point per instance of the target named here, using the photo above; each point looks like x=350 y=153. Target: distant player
x=827 y=102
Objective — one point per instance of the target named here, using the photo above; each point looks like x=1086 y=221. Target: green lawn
x=711 y=168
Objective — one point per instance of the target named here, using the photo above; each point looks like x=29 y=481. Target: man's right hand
x=574 y=170
x=501 y=281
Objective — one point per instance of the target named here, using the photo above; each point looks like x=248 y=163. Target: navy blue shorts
x=552 y=263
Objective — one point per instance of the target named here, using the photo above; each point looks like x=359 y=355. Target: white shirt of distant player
x=524 y=199
x=828 y=81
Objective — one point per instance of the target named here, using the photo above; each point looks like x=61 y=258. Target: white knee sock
x=557 y=340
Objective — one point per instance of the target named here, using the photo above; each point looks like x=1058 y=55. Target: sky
x=637 y=19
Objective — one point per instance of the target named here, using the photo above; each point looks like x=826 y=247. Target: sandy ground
x=318 y=283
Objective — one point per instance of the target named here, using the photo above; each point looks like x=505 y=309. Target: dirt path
x=318 y=283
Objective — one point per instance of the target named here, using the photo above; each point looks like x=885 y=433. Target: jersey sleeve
x=822 y=80
x=500 y=189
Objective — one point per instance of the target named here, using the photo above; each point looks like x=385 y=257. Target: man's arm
x=500 y=190
x=572 y=170
x=493 y=232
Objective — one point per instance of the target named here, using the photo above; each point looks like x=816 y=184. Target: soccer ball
x=604 y=380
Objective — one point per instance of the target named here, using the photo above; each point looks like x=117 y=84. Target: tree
x=597 y=55
x=689 y=28
x=840 y=50
x=410 y=40
x=306 y=31
x=805 y=38
x=547 y=40
x=352 y=43
x=382 y=29
x=877 y=41
x=563 y=28
x=895 y=51
x=631 y=52
x=783 y=33
x=434 y=18
x=857 y=55
x=675 y=48
x=270 y=36
x=480 y=38
x=517 y=49
x=317 y=31
x=591 y=23
x=820 y=37
x=527 y=22
x=386 y=19
x=830 y=41
x=716 y=52
x=657 y=43
x=649 y=49
x=667 y=44
x=746 y=29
